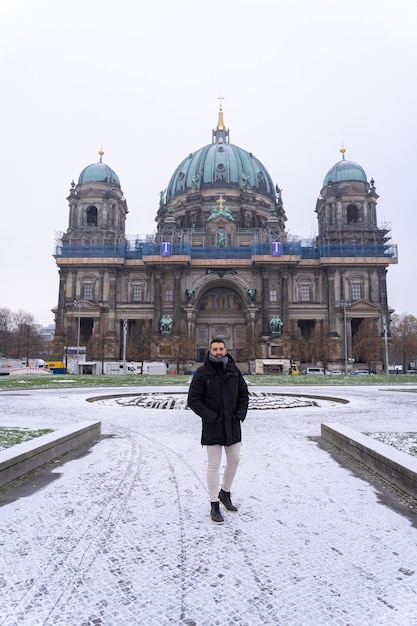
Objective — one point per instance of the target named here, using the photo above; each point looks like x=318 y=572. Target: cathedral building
x=221 y=261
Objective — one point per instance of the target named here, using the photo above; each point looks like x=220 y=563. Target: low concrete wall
x=19 y=460
x=395 y=466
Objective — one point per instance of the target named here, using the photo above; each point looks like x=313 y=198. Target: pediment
x=353 y=188
x=92 y=192
x=84 y=306
x=364 y=305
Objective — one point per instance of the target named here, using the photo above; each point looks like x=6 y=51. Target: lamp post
x=386 y=344
x=345 y=304
x=124 y=345
x=78 y=304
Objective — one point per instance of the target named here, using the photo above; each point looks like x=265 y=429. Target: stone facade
x=221 y=260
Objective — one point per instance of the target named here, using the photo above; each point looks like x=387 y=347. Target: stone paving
x=122 y=535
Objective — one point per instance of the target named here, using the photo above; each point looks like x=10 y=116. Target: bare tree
x=99 y=345
x=321 y=346
x=6 y=331
x=57 y=348
x=139 y=342
x=404 y=338
x=178 y=346
x=294 y=342
x=247 y=346
x=367 y=344
x=27 y=341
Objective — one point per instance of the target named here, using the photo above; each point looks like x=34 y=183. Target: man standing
x=219 y=395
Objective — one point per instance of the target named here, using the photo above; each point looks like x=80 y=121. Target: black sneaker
x=224 y=497
x=216 y=516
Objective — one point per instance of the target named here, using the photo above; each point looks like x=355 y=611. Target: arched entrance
x=221 y=312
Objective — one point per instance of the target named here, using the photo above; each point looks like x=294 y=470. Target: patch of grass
x=12 y=436
x=135 y=380
x=405 y=442
x=78 y=381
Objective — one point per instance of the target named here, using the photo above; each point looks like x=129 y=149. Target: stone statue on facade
x=276 y=324
x=252 y=294
x=190 y=294
x=221 y=238
x=165 y=324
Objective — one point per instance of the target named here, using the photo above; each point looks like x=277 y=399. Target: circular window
x=220 y=167
x=181 y=175
x=220 y=149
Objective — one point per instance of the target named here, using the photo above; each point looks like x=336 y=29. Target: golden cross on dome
x=221 y=103
x=221 y=202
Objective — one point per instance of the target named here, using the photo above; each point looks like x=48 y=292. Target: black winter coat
x=220 y=397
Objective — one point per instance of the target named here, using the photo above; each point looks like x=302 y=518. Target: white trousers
x=214 y=457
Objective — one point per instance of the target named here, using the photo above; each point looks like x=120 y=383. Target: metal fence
x=141 y=249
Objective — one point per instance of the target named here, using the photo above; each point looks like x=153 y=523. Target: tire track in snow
x=79 y=549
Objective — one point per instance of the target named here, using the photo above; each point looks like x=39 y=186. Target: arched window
x=305 y=294
x=357 y=287
x=92 y=216
x=352 y=214
x=137 y=292
x=87 y=291
x=220 y=298
x=305 y=289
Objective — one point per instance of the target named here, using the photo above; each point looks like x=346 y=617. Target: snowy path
x=122 y=535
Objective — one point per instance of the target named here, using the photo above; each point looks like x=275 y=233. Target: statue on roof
x=278 y=194
x=221 y=211
x=195 y=182
x=246 y=184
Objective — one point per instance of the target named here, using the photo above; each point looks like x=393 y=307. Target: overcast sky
x=142 y=80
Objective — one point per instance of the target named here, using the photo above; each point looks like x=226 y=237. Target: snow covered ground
x=122 y=535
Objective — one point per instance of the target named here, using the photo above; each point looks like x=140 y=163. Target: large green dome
x=220 y=165
x=344 y=171
x=99 y=173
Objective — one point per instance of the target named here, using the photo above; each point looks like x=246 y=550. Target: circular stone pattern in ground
x=174 y=400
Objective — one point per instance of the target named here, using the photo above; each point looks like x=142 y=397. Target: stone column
x=331 y=297
x=59 y=316
x=158 y=299
x=265 y=303
x=111 y=301
x=383 y=294
x=177 y=297
x=284 y=296
x=383 y=290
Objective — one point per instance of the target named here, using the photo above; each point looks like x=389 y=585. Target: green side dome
x=220 y=165
x=99 y=173
x=344 y=171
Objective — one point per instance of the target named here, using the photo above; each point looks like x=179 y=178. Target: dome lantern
x=344 y=171
x=99 y=173
x=220 y=165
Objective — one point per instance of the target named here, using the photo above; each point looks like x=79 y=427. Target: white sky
x=142 y=80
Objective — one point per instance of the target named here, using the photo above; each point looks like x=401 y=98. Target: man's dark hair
x=217 y=340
